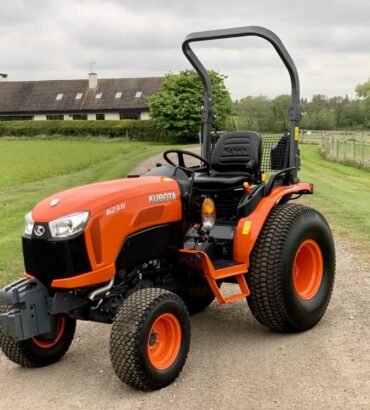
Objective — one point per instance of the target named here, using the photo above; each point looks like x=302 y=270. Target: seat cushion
x=237 y=152
x=211 y=183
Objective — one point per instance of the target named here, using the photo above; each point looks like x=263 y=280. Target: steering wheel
x=205 y=165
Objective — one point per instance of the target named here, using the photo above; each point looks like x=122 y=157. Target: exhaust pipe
x=100 y=291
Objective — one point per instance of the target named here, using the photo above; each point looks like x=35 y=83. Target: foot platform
x=220 y=271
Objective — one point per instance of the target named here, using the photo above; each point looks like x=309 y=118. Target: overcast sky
x=55 y=39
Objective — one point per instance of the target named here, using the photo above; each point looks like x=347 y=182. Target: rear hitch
x=28 y=316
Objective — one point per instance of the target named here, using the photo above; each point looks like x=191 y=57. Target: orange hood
x=101 y=196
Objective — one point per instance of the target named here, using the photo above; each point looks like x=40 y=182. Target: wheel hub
x=164 y=341
x=308 y=269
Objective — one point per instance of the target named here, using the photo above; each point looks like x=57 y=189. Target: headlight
x=208 y=213
x=68 y=225
x=29 y=224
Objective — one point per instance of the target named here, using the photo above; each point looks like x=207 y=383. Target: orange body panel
x=246 y=235
x=249 y=228
x=117 y=209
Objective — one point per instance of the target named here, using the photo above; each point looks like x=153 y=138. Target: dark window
x=55 y=117
x=16 y=117
x=128 y=116
x=79 y=116
x=100 y=116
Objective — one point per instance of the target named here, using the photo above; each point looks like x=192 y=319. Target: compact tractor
x=144 y=252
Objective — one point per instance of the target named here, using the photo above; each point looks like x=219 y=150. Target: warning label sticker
x=246 y=227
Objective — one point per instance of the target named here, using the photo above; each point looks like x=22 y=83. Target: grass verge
x=342 y=194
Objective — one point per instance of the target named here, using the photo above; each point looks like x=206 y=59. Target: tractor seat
x=205 y=182
x=236 y=158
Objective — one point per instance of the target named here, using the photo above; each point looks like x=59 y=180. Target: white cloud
x=329 y=41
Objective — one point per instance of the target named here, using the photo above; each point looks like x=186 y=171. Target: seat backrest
x=237 y=152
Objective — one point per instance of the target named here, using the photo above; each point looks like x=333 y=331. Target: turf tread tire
x=126 y=346
x=267 y=300
x=24 y=354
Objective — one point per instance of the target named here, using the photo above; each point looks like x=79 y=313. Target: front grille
x=47 y=260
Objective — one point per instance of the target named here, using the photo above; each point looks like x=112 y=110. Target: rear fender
x=249 y=228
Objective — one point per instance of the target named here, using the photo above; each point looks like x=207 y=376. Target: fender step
x=221 y=269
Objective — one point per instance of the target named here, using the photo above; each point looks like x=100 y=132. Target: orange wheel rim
x=48 y=343
x=308 y=269
x=164 y=341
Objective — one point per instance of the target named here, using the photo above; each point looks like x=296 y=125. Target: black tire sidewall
x=50 y=354
x=304 y=314
x=196 y=297
x=165 y=376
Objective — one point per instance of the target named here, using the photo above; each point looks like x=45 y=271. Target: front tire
x=292 y=269
x=39 y=351
x=150 y=339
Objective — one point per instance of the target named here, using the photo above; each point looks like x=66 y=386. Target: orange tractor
x=144 y=252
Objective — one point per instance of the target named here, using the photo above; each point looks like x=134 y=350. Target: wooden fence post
x=337 y=155
x=353 y=151
x=363 y=152
x=345 y=150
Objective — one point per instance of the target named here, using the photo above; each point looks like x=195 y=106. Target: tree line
x=321 y=113
x=176 y=109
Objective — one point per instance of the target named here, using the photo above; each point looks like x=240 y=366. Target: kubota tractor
x=144 y=252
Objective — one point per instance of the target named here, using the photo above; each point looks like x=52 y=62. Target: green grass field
x=342 y=194
x=24 y=161
x=30 y=170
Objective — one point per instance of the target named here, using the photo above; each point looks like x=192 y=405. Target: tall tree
x=176 y=107
x=363 y=91
x=254 y=113
x=280 y=109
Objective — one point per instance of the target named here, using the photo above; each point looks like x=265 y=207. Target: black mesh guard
x=275 y=153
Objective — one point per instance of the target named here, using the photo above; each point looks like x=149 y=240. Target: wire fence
x=347 y=149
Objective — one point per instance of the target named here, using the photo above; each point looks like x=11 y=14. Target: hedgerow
x=131 y=129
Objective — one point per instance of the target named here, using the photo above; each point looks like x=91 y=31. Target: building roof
x=32 y=97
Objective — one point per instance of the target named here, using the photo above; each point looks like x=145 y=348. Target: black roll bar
x=208 y=114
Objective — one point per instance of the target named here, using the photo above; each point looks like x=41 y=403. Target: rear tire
x=150 y=339
x=292 y=269
x=39 y=351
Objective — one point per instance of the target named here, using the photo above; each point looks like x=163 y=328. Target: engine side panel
x=157 y=202
x=148 y=244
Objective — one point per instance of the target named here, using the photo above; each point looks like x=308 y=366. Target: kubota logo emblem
x=54 y=202
x=39 y=230
x=167 y=196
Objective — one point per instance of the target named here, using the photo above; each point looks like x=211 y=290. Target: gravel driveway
x=234 y=363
